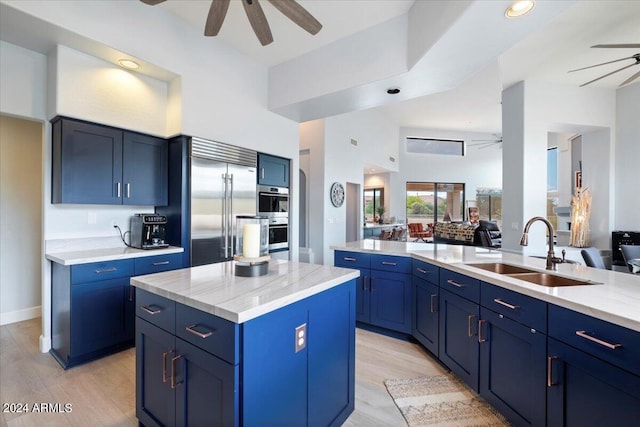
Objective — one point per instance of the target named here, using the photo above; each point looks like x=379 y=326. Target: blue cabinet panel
x=144 y=170
x=274 y=374
x=95 y=271
x=155 y=399
x=352 y=259
x=512 y=368
x=460 y=284
x=391 y=263
x=205 y=388
x=521 y=308
x=157 y=310
x=273 y=170
x=585 y=391
x=426 y=271
x=391 y=300
x=359 y=261
x=331 y=355
x=425 y=313
x=615 y=344
x=458 y=346
x=157 y=264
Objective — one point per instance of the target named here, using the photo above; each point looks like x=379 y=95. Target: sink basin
x=542 y=279
x=499 y=268
x=549 y=280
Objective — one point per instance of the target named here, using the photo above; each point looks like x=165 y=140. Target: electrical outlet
x=301 y=337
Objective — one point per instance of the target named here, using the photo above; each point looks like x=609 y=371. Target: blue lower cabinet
x=425 y=313
x=363 y=296
x=458 y=337
x=586 y=391
x=296 y=365
x=513 y=368
x=390 y=302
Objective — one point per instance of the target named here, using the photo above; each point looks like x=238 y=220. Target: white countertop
x=372 y=225
x=215 y=289
x=106 y=254
x=616 y=299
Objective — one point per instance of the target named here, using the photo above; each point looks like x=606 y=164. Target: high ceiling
x=546 y=54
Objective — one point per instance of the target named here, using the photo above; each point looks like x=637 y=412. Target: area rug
x=443 y=401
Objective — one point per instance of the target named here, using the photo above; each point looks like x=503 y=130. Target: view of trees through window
x=373 y=202
x=489 y=203
x=552 y=186
x=429 y=202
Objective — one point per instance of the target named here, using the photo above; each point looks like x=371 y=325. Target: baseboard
x=20 y=315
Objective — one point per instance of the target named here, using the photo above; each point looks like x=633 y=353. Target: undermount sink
x=542 y=279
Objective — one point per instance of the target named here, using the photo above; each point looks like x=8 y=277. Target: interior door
x=208 y=204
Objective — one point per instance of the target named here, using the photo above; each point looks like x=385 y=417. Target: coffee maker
x=148 y=231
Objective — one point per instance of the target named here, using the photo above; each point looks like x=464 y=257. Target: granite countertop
x=615 y=298
x=215 y=289
x=85 y=256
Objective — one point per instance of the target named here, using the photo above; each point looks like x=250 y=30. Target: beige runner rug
x=443 y=401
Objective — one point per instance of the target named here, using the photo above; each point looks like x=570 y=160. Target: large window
x=373 y=201
x=489 y=202
x=433 y=201
x=552 y=186
x=447 y=147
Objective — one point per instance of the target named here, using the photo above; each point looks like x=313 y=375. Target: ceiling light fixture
x=519 y=8
x=393 y=91
x=128 y=64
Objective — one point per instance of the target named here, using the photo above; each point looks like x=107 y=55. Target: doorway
x=353 y=217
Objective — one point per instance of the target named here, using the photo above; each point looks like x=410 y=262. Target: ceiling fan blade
x=215 y=18
x=608 y=74
x=630 y=79
x=604 y=63
x=298 y=14
x=620 y=45
x=152 y=2
x=258 y=21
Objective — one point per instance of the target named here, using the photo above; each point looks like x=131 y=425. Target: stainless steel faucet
x=552 y=260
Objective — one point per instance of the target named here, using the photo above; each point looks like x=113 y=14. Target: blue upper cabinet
x=95 y=164
x=273 y=170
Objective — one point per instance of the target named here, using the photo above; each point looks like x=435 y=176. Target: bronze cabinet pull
x=165 y=378
x=550 y=360
x=480 y=323
x=506 y=304
x=203 y=335
x=151 y=309
x=457 y=285
x=174 y=383
x=583 y=334
x=469 y=327
x=433 y=310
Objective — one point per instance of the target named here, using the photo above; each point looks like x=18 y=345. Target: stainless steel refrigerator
x=223 y=186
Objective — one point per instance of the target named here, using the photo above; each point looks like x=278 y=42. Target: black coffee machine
x=148 y=231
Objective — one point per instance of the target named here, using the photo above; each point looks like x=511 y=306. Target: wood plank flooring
x=102 y=393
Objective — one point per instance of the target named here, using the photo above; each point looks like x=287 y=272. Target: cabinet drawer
x=83 y=273
x=157 y=263
x=213 y=334
x=396 y=264
x=156 y=309
x=460 y=284
x=426 y=271
x=352 y=259
x=521 y=308
x=615 y=344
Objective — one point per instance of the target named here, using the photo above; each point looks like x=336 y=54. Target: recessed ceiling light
x=129 y=64
x=393 y=91
x=519 y=8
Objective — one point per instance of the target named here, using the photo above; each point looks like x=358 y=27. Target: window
x=552 y=186
x=448 y=147
x=430 y=201
x=489 y=202
x=373 y=201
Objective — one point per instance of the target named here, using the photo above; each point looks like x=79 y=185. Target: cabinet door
x=458 y=344
x=363 y=296
x=274 y=373
x=391 y=300
x=585 y=391
x=512 y=368
x=425 y=314
x=331 y=353
x=207 y=388
x=273 y=171
x=145 y=170
x=155 y=399
x=99 y=315
x=88 y=168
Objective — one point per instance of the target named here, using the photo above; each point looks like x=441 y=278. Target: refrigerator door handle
x=224 y=215
x=230 y=215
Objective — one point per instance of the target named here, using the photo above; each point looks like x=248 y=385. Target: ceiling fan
x=486 y=143
x=635 y=57
x=290 y=8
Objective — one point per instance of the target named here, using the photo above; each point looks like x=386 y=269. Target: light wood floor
x=102 y=393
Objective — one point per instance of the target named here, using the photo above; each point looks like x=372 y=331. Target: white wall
x=626 y=155
x=20 y=218
x=598 y=177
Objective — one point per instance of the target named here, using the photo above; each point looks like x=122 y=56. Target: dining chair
x=630 y=252
x=592 y=258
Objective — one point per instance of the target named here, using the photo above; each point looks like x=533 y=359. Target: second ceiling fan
x=290 y=8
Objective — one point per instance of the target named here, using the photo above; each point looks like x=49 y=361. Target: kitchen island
x=213 y=348
x=543 y=347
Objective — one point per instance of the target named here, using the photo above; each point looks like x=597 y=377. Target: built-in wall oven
x=273 y=202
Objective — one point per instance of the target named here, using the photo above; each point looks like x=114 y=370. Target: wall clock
x=337 y=194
